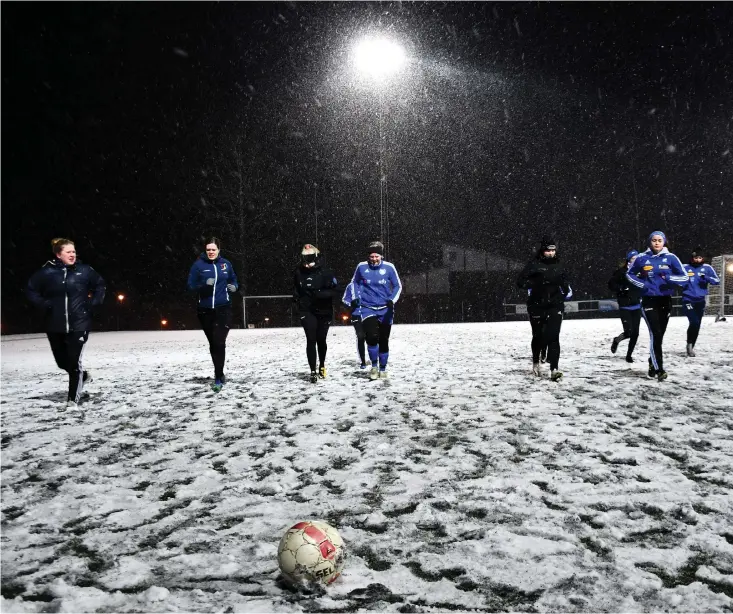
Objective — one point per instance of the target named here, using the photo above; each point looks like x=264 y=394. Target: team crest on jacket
x=382 y=272
x=223 y=266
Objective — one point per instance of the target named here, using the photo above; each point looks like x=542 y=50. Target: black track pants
x=68 y=349
x=694 y=312
x=656 y=311
x=215 y=323
x=546 y=323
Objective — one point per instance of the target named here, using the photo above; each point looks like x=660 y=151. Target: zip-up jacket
x=657 y=274
x=546 y=283
x=699 y=277
x=222 y=272
x=373 y=286
x=314 y=289
x=63 y=293
x=627 y=295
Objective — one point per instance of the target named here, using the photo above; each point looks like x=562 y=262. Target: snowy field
x=460 y=484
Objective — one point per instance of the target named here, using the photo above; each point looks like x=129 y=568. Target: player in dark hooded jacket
x=62 y=289
x=213 y=278
x=657 y=273
x=548 y=288
x=314 y=290
x=693 y=296
x=629 y=304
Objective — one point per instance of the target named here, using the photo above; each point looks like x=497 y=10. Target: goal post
x=719 y=301
x=268 y=310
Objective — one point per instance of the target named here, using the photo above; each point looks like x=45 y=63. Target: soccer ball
x=311 y=552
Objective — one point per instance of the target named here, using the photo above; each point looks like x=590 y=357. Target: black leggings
x=215 y=323
x=316 y=330
x=657 y=310
x=377 y=332
x=360 y=337
x=546 y=325
x=68 y=349
x=630 y=318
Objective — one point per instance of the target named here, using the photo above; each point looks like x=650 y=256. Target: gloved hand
x=355 y=303
x=211 y=281
x=390 y=304
x=232 y=288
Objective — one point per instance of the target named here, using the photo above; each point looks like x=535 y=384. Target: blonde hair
x=58 y=243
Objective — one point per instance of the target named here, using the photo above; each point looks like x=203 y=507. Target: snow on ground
x=461 y=483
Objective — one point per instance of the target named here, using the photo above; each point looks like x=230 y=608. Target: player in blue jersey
x=700 y=275
x=376 y=287
x=657 y=273
x=357 y=324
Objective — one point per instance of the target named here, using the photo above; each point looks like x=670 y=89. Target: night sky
x=137 y=129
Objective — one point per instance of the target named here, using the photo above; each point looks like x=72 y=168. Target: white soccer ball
x=311 y=552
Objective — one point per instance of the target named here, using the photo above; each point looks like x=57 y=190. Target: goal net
x=720 y=298
x=269 y=311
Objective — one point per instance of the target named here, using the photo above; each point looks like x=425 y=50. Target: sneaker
x=629 y=359
x=70 y=405
x=383 y=374
x=556 y=375
x=543 y=356
x=217 y=385
x=363 y=366
x=314 y=377
x=614 y=344
x=661 y=375
x=652 y=371
x=691 y=350
x=223 y=379
x=374 y=373
x=322 y=372
x=86 y=378
x=536 y=369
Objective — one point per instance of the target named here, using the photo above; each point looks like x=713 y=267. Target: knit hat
x=698 y=252
x=376 y=247
x=547 y=244
x=630 y=254
x=659 y=233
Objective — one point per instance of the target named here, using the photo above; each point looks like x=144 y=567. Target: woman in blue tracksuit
x=657 y=272
x=629 y=303
x=693 y=296
x=375 y=289
x=357 y=324
x=67 y=291
x=213 y=278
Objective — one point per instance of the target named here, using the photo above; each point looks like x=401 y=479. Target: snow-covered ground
x=461 y=483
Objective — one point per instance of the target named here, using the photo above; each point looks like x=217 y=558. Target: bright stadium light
x=379 y=57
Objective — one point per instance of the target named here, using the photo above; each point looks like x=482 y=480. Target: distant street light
x=163 y=323
x=120 y=299
x=379 y=59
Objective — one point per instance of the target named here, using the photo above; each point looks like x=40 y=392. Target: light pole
x=379 y=59
x=120 y=300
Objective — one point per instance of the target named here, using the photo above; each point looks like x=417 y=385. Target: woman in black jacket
x=547 y=286
x=629 y=304
x=314 y=290
x=62 y=289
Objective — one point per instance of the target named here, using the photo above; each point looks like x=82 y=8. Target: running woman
x=657 y=272
x=693 y=296
x=629 y=303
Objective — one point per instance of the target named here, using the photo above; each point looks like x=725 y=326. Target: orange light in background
x=164 y=322
x=120 y=297
x=344 y=318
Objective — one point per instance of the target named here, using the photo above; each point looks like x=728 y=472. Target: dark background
x=137 y=129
